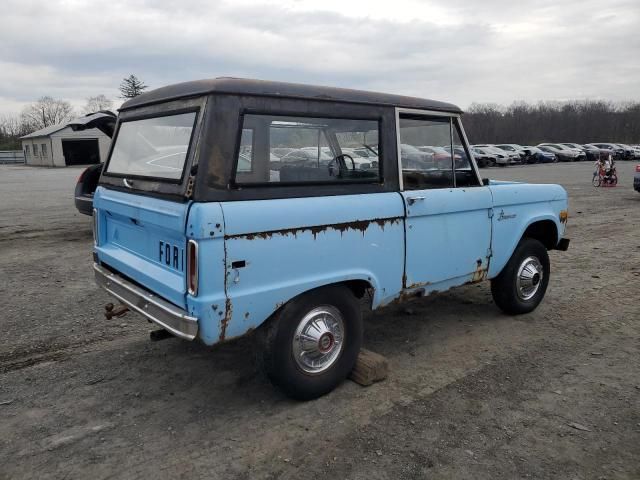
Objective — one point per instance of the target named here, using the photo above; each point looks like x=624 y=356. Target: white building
x=60 y=146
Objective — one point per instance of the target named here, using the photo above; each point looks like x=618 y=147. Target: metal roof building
x=59 y=146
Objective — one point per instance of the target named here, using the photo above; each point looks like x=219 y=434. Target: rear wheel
x=521 y=285
x=311 y=345
x=613 y=179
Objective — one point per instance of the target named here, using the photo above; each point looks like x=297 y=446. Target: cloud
x=453 y=50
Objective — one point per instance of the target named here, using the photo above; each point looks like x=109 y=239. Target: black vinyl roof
x=242 y=86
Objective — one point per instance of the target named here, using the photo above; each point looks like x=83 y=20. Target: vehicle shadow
x=189 y=375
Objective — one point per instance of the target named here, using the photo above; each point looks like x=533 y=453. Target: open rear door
x=104 y=120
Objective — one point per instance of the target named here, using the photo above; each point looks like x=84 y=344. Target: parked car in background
x=416 y=158
x=369 y=153
x=565 y=154
x=513 y=156
x=281 y=152
x=361 y=162
x=592 y=153
x=483 y=157
x=503 y=158
x=87 y=182
x=630 y=153
x=561 y=155
x=306 y=156
x=601 y=151
x=513 y=148
x=537 y=155
x=438 y=155
x=85 y=188
x=611 y=148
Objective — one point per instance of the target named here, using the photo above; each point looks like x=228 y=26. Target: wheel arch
x=249 y=316
x=545 y=231
x=358 y=286
x=543 y=228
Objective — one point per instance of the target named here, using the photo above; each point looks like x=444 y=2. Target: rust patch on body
x=418 y=285
x=564 y=216
x=228 y=311
x=408 y=295
x=359 y=225
x=228 y=306
x=479 y=274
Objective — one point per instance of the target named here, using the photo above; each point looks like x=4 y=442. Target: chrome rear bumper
x=165 y=314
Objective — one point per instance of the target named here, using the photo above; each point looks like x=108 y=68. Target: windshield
x=153 y=147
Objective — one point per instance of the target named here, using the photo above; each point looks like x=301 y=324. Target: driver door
x=448 y=225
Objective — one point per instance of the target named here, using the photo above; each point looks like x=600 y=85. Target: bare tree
x=45 y=112
x=11 y=129
x=131 y=87
x=97 y=103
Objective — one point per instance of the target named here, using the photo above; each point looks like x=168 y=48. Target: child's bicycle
x=601 y=179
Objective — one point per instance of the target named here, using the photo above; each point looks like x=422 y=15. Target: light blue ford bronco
x=232 y=205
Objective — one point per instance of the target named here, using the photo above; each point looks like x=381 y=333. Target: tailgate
x=144 y=239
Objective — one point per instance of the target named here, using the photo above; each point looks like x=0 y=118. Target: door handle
x=413 y=200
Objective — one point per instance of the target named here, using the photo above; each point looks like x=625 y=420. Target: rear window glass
x=282 y=149
x=153 y=147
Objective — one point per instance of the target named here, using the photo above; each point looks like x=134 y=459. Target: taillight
x=637 y=168
x=192 y=267
x=94 y=226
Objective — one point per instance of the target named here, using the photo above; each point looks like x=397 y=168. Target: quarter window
x=245 y=155
x=290 y=150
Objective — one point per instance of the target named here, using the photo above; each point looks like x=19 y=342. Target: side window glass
x=465 y=174
x=282 y=149
x=245 y=156
x=425 y=152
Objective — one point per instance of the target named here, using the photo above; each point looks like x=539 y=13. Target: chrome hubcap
x=529 y=278
x=319 y=339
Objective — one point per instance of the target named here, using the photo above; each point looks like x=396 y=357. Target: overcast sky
x=454 y=50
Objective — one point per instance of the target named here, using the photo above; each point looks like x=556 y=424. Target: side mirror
x=485 y=182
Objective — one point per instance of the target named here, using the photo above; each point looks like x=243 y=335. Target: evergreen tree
x=131 y=87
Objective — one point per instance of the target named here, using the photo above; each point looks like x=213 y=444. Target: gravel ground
x=472 y=393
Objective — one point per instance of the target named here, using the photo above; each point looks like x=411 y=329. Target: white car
x=502 y=157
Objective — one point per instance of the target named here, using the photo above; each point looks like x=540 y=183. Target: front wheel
x=521 y=285
x=311 y=345
x=597 y=180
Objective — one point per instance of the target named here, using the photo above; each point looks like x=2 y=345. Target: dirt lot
x=472 y=393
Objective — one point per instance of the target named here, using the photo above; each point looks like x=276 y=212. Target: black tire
x=277 y=343
x=596 y=181
x=504 y=288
